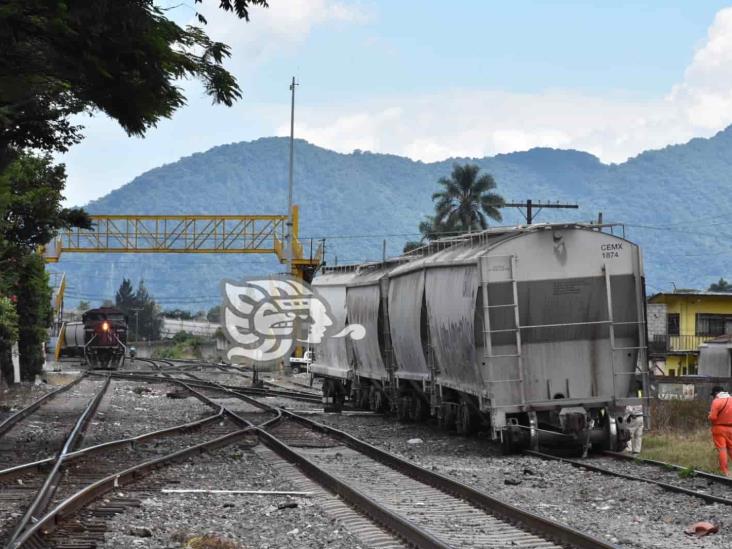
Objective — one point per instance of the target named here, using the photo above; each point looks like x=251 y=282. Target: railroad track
x=672 y=478
x=418 y=507
x=170 y=369
x=189 y=365
x=13 y=530
x=41 y=426
x=20 y=415
x=421 y=507
x=90 y=473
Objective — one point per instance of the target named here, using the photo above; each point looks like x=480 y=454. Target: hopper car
x=100 y=339
x=533 y=333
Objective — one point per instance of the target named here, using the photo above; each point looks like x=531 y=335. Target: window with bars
x=713 y=325
x=672 y=324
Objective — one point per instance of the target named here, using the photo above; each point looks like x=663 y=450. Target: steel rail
x=378 y=513
x=72 y=504
x=203 y=383
x=11 y=472
x=10 y=422
x=534 y=523
x=544 y=527
x=239 y=371
x=695 y=472
x=280 y=390
x=45 y=493
x=665 y=485
x=95 y=490
x=235 y=370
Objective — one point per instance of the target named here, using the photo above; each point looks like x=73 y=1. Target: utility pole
x=529 y=205
x=290 y=239
x=137 y=322
x=290 y=236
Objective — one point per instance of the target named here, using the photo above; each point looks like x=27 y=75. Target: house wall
x=687 y=306
x=656 y=318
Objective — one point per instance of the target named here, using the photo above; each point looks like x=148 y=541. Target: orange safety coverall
x=721 y=417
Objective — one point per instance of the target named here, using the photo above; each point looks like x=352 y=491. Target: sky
x=432 y=80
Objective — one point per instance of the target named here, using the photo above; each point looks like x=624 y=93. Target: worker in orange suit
x=721 y=417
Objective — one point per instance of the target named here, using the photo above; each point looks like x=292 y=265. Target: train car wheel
x=465 y=421
x=376 y=401
x=363 y=399
x=417 y=409
x=403 y=405
x=507 y=444
x=447 y=415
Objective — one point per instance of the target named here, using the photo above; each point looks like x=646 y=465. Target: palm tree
x=430 y=230
x=466 y=200
x=721 y=286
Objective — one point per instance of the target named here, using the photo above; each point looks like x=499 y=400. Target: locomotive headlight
x=105 y=326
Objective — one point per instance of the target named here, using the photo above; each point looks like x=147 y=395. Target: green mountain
x=673 y=201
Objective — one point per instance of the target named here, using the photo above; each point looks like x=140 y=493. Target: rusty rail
x=44 y=495
x=11 y=472
x=10 y=422
x=665 y=485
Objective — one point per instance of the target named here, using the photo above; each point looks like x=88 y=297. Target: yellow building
x=679 y=322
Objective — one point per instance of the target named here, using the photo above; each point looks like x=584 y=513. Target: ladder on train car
x=497 y=269
x=641 y=348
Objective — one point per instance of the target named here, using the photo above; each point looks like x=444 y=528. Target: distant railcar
x=105 y=337
x=536 y=333
x=100 y=338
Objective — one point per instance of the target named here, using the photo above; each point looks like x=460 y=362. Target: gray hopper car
x=536 y=332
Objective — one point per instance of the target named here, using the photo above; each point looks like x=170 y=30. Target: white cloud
x=481 y=122
x=451 y=122
x=281 y=27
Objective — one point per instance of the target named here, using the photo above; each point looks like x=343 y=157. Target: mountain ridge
x=367 y=193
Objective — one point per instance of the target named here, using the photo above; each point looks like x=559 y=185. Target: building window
x=672 y=324
x=713 y=325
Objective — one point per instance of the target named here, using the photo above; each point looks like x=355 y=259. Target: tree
x=34 y=314
x=214 y=314
x=83 y=306
x=411 y=245
x=178 y=314
x=122 y=57
x=8 y=335
x=31 y=190
x=721 y=286
x=462 y=205
x=124 y=299
x=60 y=58
x=466 y=200
x=143 y=314
x=149 y=320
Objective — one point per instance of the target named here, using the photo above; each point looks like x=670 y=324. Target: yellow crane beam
x=201 y=234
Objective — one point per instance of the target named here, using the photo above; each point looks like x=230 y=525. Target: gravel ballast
x=629 y=514
x=251 y=521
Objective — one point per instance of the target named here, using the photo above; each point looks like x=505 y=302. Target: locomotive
x=535 y=333
x=100 y=338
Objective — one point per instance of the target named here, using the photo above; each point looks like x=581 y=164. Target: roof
x=720 y=340
x=690 y=293
x=480 y=237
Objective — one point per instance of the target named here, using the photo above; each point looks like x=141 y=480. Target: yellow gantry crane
x=198 y=234
x=188 y=234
